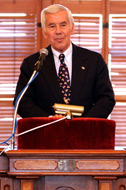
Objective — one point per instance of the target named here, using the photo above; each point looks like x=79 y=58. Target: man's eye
x=63 y=25
x=51 y=26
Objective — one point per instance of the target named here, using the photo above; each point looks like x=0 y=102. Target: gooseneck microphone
x=43 y=53
x=37 y=67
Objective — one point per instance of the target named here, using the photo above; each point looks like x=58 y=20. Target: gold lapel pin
x=82 y=67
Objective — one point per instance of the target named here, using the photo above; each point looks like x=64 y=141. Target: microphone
x=43 y=53
x=37 y=67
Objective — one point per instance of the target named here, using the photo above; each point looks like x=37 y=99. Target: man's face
x=58 y=30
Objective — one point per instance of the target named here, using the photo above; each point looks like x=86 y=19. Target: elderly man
x=69 y=75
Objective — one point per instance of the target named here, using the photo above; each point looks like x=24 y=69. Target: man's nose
x=58 y=29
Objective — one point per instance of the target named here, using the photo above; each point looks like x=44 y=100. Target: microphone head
x=43 y=51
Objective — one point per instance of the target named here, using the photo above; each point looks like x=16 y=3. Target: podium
x=64 y=166
x=76 y=133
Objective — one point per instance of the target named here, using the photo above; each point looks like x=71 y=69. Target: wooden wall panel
x=85 y=7
x=117 y=7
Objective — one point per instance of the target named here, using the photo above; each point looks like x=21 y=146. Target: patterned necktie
x=64 y=80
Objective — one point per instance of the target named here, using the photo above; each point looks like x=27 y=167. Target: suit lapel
x=50 y=75
x=79 y=70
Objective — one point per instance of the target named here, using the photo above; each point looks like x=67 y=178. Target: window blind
x=88 y=31
x=117 y=65
x=17 y=40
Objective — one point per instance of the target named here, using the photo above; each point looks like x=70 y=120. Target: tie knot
x=61 y=57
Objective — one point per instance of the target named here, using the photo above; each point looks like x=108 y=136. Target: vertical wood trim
x=105 y=13
x=105 y=185
x=55 y=1
x=44 y=4
x=6 y=183
x=27 y=185
x=39 y=31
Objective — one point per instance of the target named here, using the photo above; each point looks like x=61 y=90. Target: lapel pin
x=82 y=67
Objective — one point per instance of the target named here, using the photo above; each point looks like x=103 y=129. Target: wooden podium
x=63 y=170
x=41 y=162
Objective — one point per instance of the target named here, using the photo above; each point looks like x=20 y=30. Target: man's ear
x=44 y=34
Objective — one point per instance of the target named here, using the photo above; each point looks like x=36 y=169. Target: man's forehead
x=59 y=16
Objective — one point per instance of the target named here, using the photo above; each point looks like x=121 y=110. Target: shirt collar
x=67 y=53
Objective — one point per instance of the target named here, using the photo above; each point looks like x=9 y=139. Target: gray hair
x=54 y=9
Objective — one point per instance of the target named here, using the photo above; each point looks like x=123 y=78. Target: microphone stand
x=37 y=67
x=35 y=73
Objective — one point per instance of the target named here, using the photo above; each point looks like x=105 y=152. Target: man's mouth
x=59 y=39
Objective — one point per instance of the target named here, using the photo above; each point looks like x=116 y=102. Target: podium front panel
x=76 y=133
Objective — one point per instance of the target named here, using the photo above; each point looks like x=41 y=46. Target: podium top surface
x=69 y=153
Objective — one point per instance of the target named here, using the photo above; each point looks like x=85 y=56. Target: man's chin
x=59 y=48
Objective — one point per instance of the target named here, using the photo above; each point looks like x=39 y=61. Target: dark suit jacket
x=90 y=86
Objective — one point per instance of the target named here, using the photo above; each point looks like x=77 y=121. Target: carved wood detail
x=35 y=164
x=105 y=185
x=6 y=183
x=6 y=187
x=27 y=185
x=122 y=187
x=64 y=188
x=97 y=165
